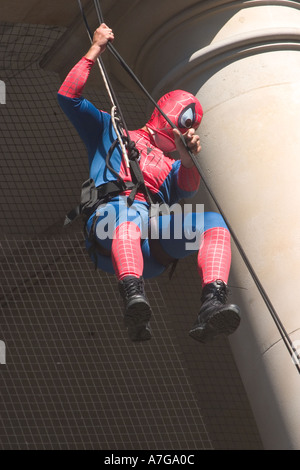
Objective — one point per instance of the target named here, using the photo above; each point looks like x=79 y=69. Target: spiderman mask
x=184 y=111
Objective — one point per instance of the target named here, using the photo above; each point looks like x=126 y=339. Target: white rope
x=105 y=81
x=113 y=110
x=113 y=117
x=123 y=148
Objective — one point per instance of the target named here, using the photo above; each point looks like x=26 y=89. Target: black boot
x=137 y=308
x=216 y=317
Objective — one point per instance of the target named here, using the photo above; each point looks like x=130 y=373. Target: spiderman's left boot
x=216 y=316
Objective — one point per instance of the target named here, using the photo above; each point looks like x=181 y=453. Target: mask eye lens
x=186 y=118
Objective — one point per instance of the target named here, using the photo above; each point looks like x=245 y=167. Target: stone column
x=242 y=60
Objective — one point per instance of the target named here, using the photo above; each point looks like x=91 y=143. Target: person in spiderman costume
x=126 y=250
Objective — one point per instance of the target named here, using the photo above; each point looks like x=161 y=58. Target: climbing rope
x=283 y=333
x=129 y=150
x=110 y=91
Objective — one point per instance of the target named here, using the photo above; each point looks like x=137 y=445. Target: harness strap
x=137 y=176
x=138 y=183
x=92 y=197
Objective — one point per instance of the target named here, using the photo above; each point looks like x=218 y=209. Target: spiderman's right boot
x=137 y=308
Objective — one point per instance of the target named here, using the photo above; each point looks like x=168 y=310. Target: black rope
x=128 y=69
x=284 y=335
x=103 y=69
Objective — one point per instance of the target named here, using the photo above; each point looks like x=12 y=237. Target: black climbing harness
x=92 y=197
x=284 y=335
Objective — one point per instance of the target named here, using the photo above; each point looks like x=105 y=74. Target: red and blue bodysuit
x=123 y=231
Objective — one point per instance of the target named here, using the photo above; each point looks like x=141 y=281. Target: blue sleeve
x=86 y=118
x=95 y=129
